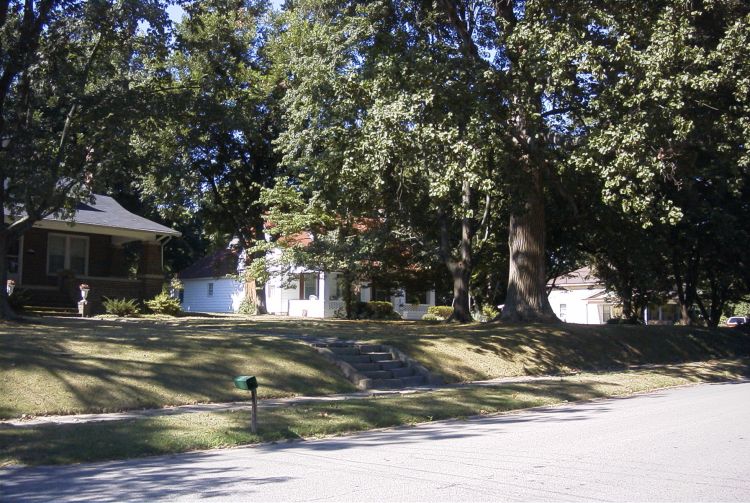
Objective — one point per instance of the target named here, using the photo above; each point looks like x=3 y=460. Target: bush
x=121 y=307
x=164 y=304
x=247 y=306
x=442 y=312
x=379 y=309
x=432 y=317
x=489 y=312
x=374 y=310
x=19 y=299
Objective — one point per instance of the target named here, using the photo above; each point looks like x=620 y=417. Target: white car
x=736 y=320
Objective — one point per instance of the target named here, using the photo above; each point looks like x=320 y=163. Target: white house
x=306 y=293
x=581 y=297
x=211 y=284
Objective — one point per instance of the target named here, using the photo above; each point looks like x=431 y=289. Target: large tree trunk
x=527 y=294
x=461 y=269
x=461 y=308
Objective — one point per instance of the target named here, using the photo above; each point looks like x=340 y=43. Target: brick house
x=117 y=253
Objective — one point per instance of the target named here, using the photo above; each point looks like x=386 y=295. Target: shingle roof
x=582 y=276
x=218 y=265
x=106 y=212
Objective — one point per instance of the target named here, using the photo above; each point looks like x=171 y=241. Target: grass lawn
x=66 y=366
x=172 y=434
x=467 y=352
x=71 y=366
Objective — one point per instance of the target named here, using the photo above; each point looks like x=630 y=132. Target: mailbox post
x=250 y=383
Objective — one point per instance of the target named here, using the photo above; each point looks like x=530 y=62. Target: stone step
x=373 y=366
x=389 y=364
x=386 y=383
x=413 y=381
x=51 y=311
x=378 y=374
x=403 y=372
x=345 y=350
x=370 y=348
x=366 y=367
x=379 y=357
x=355 y=358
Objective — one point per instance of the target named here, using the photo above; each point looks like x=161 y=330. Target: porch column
x=431 y=297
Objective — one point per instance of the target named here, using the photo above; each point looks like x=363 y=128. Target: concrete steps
x=372 y=366
x=64 y=311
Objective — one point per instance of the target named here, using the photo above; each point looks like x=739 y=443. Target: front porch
x=319 y=295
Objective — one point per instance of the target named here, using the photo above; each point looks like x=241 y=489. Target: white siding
x=576 y=308
x=278 y=295
x=227 y=295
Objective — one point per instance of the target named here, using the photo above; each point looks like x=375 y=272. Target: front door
x=13 y=260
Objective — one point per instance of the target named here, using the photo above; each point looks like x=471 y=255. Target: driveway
x=686 y=444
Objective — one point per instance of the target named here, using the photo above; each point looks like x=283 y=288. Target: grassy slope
x=484 y=351
x=73 y=366
x=170 y=434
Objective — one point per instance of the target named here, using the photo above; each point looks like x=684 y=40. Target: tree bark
x=460 y=269
x=527 y=300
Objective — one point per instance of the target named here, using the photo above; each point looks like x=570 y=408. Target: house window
x=67 y=252
x=309 y=285
x=210 y=289
x=12 y=255
x=563 y=311
x=606 y=312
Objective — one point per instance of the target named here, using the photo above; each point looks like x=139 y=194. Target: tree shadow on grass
x=98 y=368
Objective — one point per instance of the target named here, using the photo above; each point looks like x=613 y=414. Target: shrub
x=247 y=306
x=19 y=299
x=442 y=312
x=431 y=317
x=164 y=304
x=489 y=312
x=121 y=307
x=379 y=309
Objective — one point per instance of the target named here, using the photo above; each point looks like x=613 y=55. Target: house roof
x=106 y=212
x=583 y=276
x=217 y=265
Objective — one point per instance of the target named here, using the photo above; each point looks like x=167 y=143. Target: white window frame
x=67 y=238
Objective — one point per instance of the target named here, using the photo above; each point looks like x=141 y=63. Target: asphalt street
x=685 y=444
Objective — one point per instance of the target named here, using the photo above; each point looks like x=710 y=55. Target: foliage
x=248 y=307
x=212 y=146
x=431 y=317
x=490 y=312
x=164 y=303
x=664 y=137
x=380 y=310
x=121 y=307
x=442 y=312
x=73 y=88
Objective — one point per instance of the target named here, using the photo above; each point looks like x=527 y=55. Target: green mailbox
x=247 y=383
x=250 y=383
